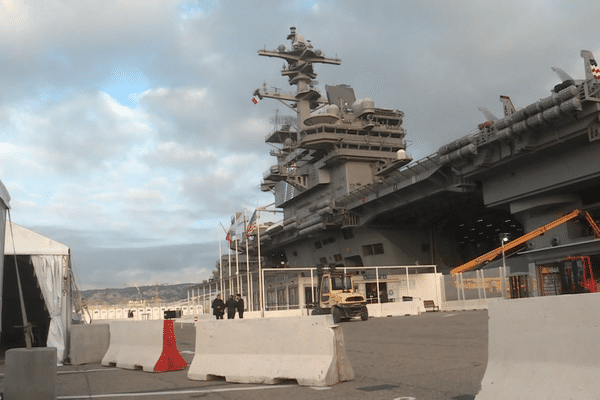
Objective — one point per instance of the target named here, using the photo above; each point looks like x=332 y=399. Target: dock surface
x=432 y=356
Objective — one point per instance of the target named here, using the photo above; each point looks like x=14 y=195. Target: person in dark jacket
x=218 y=307
x=239 y=304
x=230 y=307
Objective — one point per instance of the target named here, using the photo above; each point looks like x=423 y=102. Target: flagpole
x=237 y=265
x=261 y=282
x=220 y=263
x=229 y=263
x=248 y=289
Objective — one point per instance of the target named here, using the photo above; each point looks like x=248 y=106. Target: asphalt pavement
x=432 y=356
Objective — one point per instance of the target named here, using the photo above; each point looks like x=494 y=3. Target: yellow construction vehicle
x=487 y=257
x=337 y=296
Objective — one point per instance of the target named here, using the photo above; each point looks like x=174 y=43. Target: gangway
x=489 y=256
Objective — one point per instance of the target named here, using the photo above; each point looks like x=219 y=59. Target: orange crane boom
x=526 y=237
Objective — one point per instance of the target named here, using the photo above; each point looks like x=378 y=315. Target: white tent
x=52 y=266
x=4 y=201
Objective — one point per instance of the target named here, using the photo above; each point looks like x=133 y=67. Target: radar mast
x=300 y=73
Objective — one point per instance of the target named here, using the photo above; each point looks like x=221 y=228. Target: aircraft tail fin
x=488 y=115
x=509 y=109
x=592 y=71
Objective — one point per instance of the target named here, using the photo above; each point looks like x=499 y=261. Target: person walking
x=230 y=307
x=239 y=304
x=218 y=307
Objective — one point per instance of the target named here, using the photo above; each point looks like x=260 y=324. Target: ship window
x=318 y=245
x=337 y=257
x=325 y=242
x=372 y=249
x=323 y=260
x=348 y=234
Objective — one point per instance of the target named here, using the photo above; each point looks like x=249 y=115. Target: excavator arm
x=525 y=238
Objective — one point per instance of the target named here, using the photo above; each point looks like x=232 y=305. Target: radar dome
x=401 y=154
x=332 y=109
x=368 y=103
x=318 y=52
x=281 y=48
x=288 y=142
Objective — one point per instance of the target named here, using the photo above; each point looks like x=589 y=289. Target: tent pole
x=26 y=325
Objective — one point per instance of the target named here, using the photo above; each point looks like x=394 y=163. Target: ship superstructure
x=333 y=147
x=352 y=196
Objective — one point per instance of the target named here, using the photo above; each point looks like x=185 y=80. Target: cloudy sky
x=127 y=130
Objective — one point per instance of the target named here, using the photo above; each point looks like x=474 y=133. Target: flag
x=236 y=227
x=228 y=237
x=257 y=96
x=594 y=68
x=252 y=226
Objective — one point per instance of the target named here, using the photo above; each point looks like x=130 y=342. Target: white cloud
x=177 y=101
x=78 y=134
x=175 y=155
x=130 y=124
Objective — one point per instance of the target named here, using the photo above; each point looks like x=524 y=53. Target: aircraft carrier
x=352 y=196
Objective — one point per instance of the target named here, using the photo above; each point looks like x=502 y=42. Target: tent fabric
x=4 y=196
x=28 y=242
x=4 y=200
x=51 y=263
x=48 y=270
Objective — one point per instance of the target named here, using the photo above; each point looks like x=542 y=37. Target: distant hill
x=151 y=294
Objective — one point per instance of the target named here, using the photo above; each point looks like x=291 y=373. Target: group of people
x=219 y=307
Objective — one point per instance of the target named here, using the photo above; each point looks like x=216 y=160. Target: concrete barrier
x=273 y=314
x=395 y=309
x=88 y=343
x=30 y=374
x=149 y=345
x=308 y=349
x=543 y=348
x=469 y=305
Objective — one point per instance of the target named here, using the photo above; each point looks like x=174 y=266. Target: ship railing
x=426 y=163
x=281 y=307
x=405 y=173
x=589 y=91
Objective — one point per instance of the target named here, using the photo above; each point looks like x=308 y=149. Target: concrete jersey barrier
x=88 y=343
x=308 y=349
x=543 y=348
x=150 y=345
